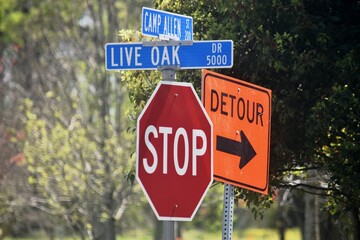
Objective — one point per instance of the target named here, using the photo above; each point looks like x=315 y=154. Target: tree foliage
x=67 y=171
x=337 y=138
x=307 y=53
x=77 y=150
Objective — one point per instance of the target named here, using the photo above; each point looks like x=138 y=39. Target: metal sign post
x=168 y=74
x=228 y=211
x=168 y=230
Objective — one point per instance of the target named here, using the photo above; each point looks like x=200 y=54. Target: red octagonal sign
x=174 y=151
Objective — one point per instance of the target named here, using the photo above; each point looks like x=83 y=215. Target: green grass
x=246 y=234
x=136 y=235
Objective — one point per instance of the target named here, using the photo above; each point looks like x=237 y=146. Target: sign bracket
x=168 y=37
x=168 y=72
x=167 y=43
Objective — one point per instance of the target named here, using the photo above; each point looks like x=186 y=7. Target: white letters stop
x=180 y=133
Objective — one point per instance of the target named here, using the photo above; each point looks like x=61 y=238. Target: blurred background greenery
x=67 y=126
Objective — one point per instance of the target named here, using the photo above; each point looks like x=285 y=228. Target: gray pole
x=168 y=230
x=169 y=74
x=228 y=212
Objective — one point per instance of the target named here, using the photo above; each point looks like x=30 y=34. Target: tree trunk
x=356 y=223
x=178 y=228
x=110 y=229
x=103 y=231
x=281 y=214
x=317 y=218
x=309 y=217
x=158 y=229
x=282 y=230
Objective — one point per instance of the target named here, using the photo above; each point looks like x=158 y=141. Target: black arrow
x=243 y=149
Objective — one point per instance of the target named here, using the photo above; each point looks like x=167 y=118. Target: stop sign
x=174 y=151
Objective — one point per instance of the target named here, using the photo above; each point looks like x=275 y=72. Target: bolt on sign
x=241 y=116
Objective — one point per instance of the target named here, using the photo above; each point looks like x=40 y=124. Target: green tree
x=11 y=132
x=68 y=174
x=337 y=138
x=305 y=51
x=76 y=148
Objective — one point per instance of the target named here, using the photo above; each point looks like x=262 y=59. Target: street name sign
x=201 y=54
x=241 y=116
x=166 y=25
x=174 y=151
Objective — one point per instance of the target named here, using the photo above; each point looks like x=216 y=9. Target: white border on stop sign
x=185 y=84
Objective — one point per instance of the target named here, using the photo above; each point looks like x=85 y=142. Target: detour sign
x=241 y=116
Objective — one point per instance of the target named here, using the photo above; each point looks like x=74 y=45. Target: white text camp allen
x=171 y=24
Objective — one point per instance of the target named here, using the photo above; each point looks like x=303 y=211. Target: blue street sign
x=202 y=54
x=167 y=25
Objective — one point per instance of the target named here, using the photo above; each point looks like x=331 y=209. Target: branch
x=295 y=169
x=300 y=185
x=121 y=209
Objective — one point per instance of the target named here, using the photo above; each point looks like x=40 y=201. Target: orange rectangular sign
x=241 y=116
